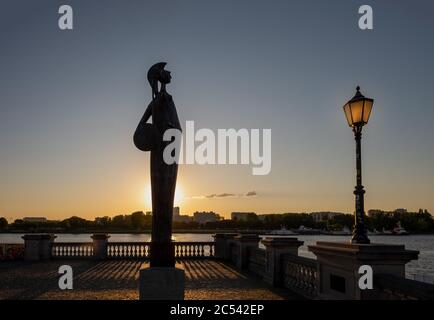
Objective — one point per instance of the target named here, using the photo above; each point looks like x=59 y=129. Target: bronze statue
x=149 y=137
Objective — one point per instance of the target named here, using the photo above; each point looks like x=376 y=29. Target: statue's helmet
x=154 y=73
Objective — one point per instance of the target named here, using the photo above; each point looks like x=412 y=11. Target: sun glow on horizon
x=179 y=196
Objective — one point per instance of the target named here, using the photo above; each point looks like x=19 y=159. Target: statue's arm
x=144 y=136
x=146 y=115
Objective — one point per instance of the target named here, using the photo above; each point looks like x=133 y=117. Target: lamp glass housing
x=358 y=110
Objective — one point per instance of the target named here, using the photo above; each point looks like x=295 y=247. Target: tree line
x=416 y=222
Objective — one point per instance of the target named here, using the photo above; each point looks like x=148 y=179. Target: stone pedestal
x=161 y=283
x=221 y=245
x=242 y=243
x=38 y=246
x=275 y=247
x=338 y=266
x=100 y=241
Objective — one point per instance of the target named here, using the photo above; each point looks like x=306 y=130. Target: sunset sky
x=71 y=100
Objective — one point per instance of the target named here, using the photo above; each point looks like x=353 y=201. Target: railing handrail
x=312 y=263
x=72 y=243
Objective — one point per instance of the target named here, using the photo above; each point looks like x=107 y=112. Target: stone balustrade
x=389 y=287
x=256 y=261
x=41 y=247
x=300 y=275
x=128 y=250
x=72 y=250
x=194 y=250
x=333 y=275
x=10 y=252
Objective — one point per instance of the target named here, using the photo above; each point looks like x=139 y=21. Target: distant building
x=177 y=217
x=243 y=216
x=324 y=215
x=262 y=217
x=35 y=219
x=373 y=212
x=204 y=217
x=176 y=211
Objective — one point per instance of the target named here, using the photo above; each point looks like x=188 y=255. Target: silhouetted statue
x=149 y=137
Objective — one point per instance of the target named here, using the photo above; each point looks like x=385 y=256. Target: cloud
x=221 y=195
x=224 y=195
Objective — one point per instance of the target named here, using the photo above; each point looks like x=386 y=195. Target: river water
x=421 y=269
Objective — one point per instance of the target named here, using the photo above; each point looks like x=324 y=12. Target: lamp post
x=357 y=112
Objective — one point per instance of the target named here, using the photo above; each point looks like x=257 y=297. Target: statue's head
x=157 y=74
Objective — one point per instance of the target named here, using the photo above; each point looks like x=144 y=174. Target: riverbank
x=189 y=231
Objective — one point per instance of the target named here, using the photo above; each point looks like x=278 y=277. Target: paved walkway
x=205 y=279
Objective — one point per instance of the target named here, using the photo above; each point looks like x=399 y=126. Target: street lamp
x=357 y=112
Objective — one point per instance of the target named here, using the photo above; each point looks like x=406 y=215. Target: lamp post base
x=360 y=239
